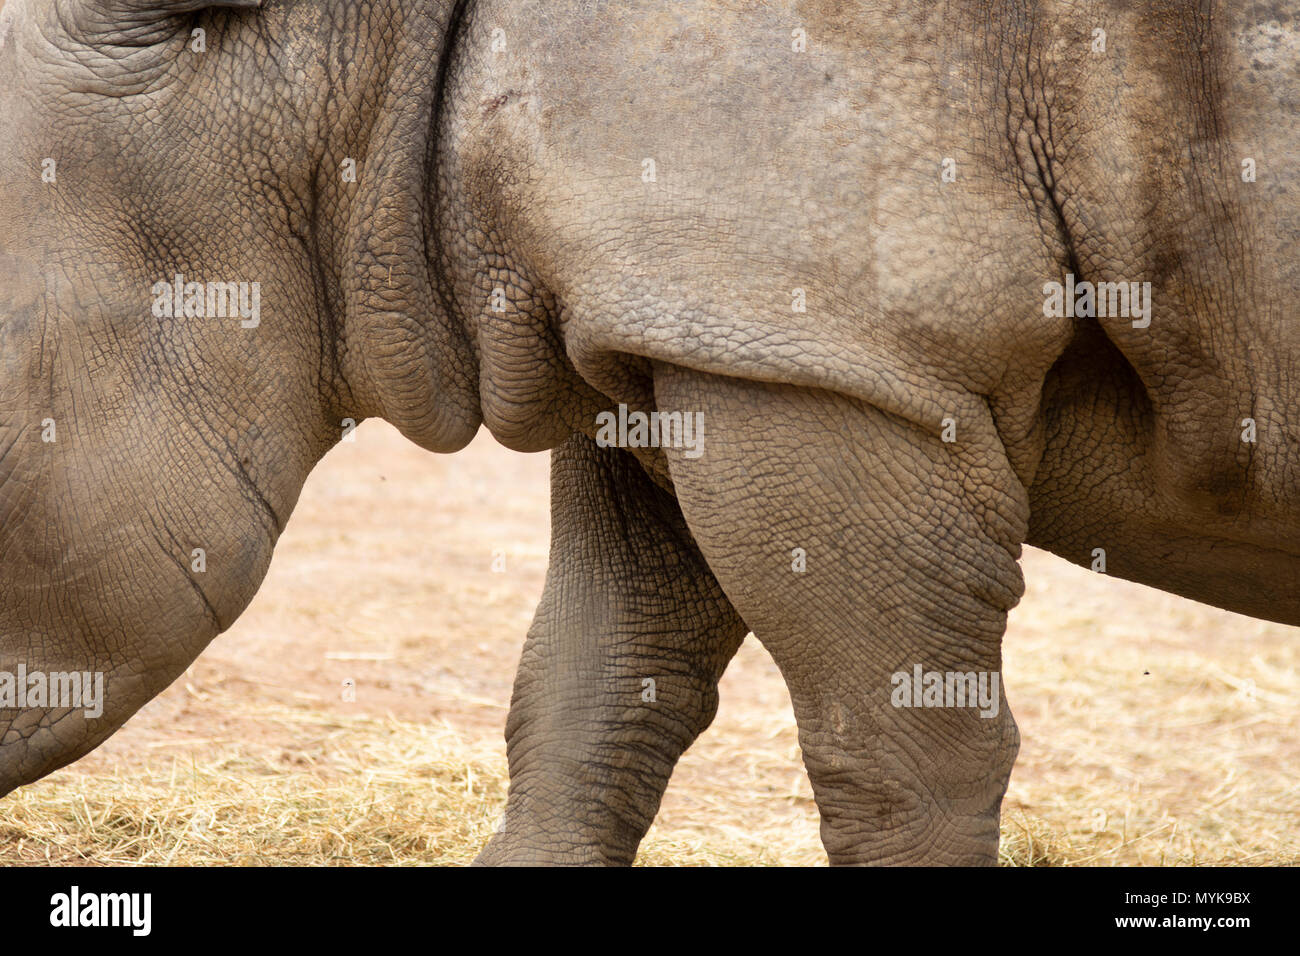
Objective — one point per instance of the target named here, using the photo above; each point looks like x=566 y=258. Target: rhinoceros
x=823 y=308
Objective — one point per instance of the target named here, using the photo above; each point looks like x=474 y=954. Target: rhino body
x=926 y=281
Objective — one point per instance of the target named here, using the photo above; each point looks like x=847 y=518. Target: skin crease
x=501 y=146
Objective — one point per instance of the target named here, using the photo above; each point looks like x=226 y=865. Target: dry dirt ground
x=1155 y=730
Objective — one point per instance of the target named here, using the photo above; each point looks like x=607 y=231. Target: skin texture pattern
x=822 y=308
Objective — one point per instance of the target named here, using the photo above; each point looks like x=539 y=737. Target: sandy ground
x=1155 y=730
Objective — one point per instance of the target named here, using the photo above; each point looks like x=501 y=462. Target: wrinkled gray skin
x=521 y=168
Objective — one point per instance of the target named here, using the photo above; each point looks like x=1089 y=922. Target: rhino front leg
x=912 y=548
x=620 y=671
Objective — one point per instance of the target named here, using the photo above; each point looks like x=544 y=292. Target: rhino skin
x=927 y=281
